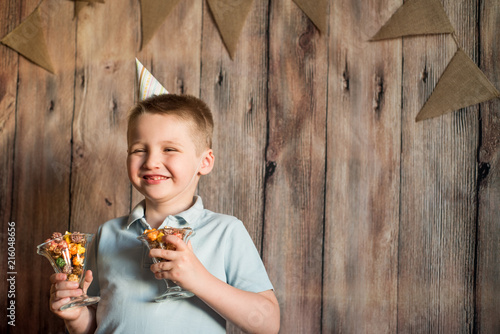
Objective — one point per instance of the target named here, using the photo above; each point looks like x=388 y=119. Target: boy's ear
x=207 y=162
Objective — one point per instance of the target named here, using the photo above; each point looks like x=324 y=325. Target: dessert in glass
x=154 y=239
x=67 y=254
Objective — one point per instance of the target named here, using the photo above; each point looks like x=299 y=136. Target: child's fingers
x=60 y=294
x=87 y=280
x=64 y=285
x=62 y=289
x=54 y=278
x=161 y=267
x=56 y=305
x=178 y=243
x=168 y=255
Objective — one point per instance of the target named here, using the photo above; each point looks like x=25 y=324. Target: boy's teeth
x=155 y=178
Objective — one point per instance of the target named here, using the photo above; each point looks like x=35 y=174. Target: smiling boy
x=164 y=162
x=169 y=149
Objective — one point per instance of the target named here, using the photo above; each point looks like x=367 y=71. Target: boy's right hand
x=61 y=291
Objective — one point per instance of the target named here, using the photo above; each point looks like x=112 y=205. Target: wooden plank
x=488 y=240
x=42 y=160
x=236 y=91
x=438 y=189
x=105 y=90
x=176 y=67
x=363 y=159
x=9 y=19
x=295 y=166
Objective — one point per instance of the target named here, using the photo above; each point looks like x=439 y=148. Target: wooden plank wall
x=367 y=221
x=438 y=177
x=362 y=189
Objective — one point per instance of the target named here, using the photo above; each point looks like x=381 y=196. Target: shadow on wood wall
x=367 y=221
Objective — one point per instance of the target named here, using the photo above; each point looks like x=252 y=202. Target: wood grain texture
x=295 y=159
x=362 y=204
x=104 y=91
x=438 y=195
x=42 y=163
x=487 y=283
x=9 y=19
x=236 y=91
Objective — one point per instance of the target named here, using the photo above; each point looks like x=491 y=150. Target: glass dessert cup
x=67 y=254
x=154 y=239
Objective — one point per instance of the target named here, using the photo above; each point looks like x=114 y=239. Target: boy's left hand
x=182 y=266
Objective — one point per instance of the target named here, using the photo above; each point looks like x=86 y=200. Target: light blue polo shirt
x=120 y=265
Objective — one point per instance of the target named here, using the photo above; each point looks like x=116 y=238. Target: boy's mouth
x=154 y=177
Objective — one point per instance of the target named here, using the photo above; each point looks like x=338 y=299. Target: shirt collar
x=188 y=218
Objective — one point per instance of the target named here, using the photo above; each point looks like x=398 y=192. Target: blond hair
x=186 y=107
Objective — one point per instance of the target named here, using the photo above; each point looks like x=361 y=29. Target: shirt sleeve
x=244 y=267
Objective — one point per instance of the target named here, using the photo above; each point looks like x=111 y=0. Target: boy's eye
x=169 y=149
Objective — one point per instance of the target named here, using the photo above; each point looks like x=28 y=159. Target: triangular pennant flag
x=316 y=11
x=462 y=84
x=29 y=40
x=148 y=85
x=153 y=13
x=230 y=16
x=416 y=17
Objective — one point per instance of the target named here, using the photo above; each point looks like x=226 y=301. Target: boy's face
x=162 y=161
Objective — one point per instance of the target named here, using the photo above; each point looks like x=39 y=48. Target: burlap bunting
x=153 y=13
x=416 y=17
x=461 y=85
x=230 y=16
x=28 y=39
x=316 y=10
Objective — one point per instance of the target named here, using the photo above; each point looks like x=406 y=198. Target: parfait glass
x=154 y=239
x=67 y=254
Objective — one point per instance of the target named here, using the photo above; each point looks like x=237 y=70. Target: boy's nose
x=152 y=161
